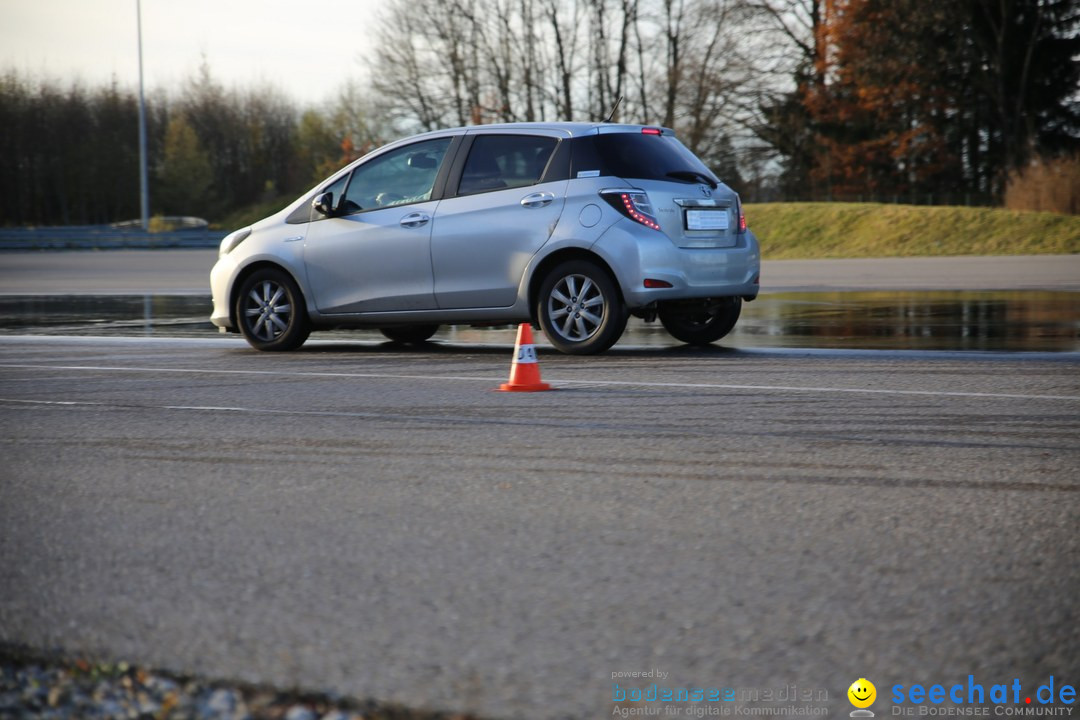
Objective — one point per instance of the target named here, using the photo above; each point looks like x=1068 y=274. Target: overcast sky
x=308 y=49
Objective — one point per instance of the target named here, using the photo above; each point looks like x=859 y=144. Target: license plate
x=706 y=220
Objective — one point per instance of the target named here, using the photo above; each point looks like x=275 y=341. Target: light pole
x=144 y=183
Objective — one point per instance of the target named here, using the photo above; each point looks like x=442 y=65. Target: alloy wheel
x=267 y=310
x=271 y=312
x=576 y=306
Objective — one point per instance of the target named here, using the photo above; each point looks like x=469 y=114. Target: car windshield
x=650 y=157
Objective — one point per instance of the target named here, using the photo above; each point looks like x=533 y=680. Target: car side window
x=496 y=162
x=399 y=177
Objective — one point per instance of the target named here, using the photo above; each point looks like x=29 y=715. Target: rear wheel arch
x=540 y=272
x=580 y=307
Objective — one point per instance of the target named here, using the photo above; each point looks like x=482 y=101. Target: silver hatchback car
x=575 y=226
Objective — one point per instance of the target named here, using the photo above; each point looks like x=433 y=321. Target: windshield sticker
x=589 y=173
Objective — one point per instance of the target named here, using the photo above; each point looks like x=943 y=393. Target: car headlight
x=232 y=240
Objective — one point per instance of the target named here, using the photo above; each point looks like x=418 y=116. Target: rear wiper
x=693 y=176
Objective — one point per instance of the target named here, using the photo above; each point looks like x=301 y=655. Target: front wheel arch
x=700 y=322
x=288 y=310
x=247 y=272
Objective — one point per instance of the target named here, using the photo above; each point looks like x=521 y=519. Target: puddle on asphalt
x=1014 y=321
x=162 y=315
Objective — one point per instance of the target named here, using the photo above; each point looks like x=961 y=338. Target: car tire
x=410 y=334
x=580 y=308
x=271 y=312
x=700 y=322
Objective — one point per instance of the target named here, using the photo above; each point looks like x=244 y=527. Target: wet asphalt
x=374 y=521
x=382 y=523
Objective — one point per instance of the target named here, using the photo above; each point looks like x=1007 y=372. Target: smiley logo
x=862 y=693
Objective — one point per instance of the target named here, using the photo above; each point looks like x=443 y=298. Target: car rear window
x=638 y=156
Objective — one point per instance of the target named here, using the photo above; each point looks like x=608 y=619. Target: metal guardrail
x=98 y=237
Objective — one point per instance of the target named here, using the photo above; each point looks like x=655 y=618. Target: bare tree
x=564 y=19
x=682 y=63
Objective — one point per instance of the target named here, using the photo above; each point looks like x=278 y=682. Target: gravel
x=37 y=686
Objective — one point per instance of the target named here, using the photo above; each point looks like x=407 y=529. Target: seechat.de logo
x=862 y=694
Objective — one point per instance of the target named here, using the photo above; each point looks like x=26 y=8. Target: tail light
x=741 y=214
x=634 y=204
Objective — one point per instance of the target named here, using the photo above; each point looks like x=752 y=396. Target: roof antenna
x=614 y=109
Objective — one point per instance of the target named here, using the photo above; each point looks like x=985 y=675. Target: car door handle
x=416 y=219
x=536 y=200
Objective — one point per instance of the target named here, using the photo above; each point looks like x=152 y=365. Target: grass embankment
x=789 y=231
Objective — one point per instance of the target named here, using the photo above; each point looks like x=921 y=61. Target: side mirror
x=324 y=204
x=422 y=161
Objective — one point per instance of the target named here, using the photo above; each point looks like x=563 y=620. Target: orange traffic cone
x=524 y=371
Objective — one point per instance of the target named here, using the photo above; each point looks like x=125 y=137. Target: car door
x=498 y=216
x=374 y=252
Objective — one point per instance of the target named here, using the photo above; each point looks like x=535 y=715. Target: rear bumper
x=692 y=273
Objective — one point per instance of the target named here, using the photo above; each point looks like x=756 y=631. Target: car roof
x=571 y=129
